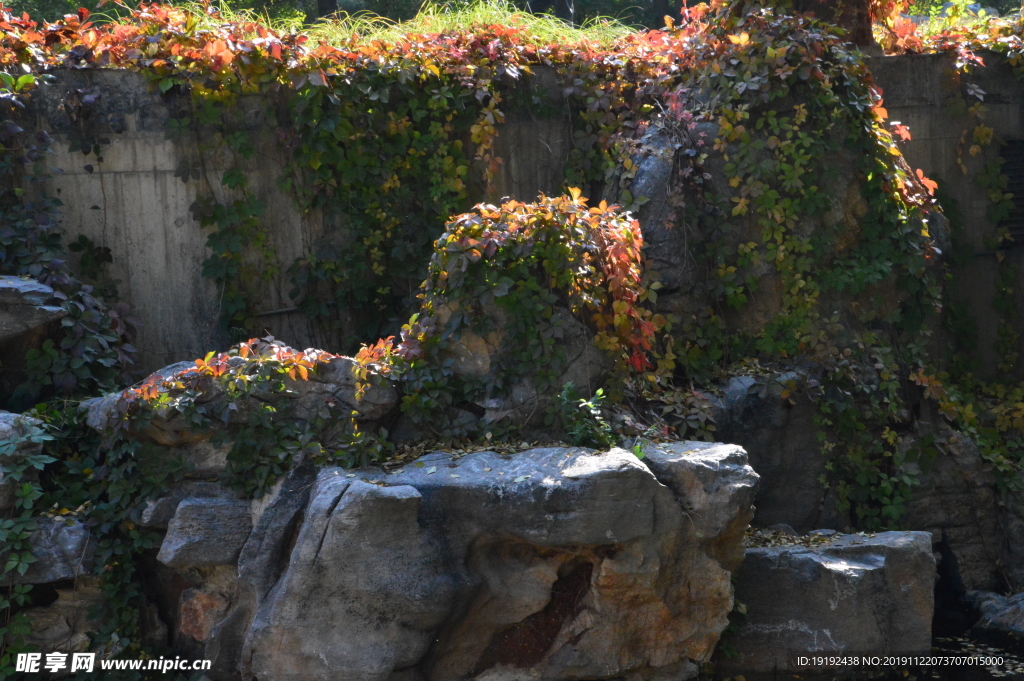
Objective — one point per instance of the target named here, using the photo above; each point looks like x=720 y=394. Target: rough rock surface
x=1001 y=617
x=957 y=500
x=351 y=606
x=16 y=427
x=782 y=443
x=715 y=478
x=664 y=244
x=63 y=549
x=857 y=593
x=157 y=513
x=557 y=563
x=63 y=625
x=205 y=532
x=480 y=357
x=331 y=383
x=957 y=496
x=25 y=305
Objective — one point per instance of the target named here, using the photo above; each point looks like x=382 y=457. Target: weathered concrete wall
x=917 y=91
x=134 y=204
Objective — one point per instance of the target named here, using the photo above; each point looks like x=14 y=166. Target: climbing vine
x=507 y=283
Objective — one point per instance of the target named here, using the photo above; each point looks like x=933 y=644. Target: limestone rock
x=956 y=495
x=216 y=613
x=63 y=549
x=14 y=428
x=664 y=241
x=957 y=498
x=557 y=563
x=157 y=513
x=265 y=553
x=782 y=443
x=1001 y=617
x=586 y=367
x=104 y=414
x=337 y=380
x=24 y=305
x=715 y=478
x=857 y=593
x=332 y=383
x=206 y=532
x=350 y=605
x=63 y=625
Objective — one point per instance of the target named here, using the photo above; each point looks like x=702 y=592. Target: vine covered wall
x=149 y=178
x=247 y=181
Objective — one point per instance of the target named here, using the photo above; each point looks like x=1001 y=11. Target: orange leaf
x=930 y=185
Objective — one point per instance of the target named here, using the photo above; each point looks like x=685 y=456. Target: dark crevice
x=525 y=643
x=953 y=615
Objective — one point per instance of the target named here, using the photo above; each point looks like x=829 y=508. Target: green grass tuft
x=433 y=18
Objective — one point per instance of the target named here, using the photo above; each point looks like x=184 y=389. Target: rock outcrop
x=1001 y=618
x=854 y=593
x=205 y=532
x=63 y=549
x=331 y=385
x=781 y=439
x=20 y=438
x=956 y=498
x=555 y=563
x=25 y=304
x=64 y=625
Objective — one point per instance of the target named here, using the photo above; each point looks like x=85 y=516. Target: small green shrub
x=580 y=418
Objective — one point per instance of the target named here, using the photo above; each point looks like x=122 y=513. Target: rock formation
x=852 y=593
x=25 y=304
x=556 y=563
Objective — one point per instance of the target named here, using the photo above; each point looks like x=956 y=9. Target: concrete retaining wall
x=917 y=91
x=133 y=203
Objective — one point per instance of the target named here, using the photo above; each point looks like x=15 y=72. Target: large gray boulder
x=205 y=532
x=25 y=304
x=63 y=549
x=557 y=563
x=855 y=593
